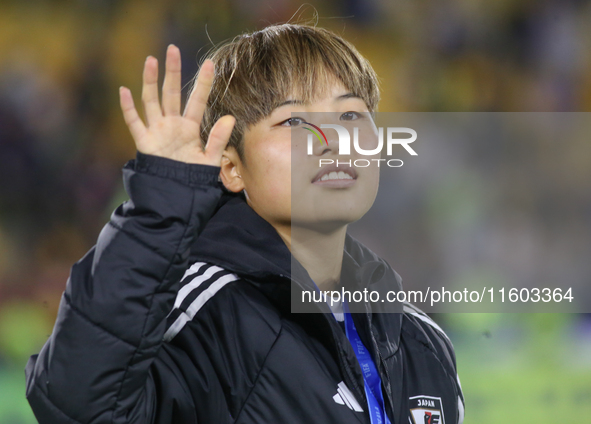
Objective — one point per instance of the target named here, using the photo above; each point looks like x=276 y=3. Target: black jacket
x=170 y=320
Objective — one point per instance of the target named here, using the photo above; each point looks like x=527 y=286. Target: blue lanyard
x=373 y=383
x=371 y=378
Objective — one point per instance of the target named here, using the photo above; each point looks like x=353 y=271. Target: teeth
x=336 y=176
x=344 y=176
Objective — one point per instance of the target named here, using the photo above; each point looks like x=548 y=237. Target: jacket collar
x=239 y=240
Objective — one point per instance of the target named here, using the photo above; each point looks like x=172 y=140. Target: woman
x=182 y=311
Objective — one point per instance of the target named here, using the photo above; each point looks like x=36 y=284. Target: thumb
x=219 y=137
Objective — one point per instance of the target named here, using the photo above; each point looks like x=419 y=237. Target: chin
x=327 y=221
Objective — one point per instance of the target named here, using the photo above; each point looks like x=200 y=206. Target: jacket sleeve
x=95 y=367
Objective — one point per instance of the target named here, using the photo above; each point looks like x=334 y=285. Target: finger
x=150 y=90
x=198 y=99
x=130 y=115
x=171 y=89
x=219 y=138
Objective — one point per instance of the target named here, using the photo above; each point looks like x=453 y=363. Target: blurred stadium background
x=63 y=143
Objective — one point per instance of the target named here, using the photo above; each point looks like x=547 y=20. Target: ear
x=231 y=170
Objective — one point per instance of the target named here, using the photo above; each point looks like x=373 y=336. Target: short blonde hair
x=255 y=72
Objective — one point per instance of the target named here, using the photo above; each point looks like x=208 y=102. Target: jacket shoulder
x=425 y=321
x=426 y=331
x=200 y=283
x=210 y=291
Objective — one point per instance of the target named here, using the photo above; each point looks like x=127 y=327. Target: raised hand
x=167 y=133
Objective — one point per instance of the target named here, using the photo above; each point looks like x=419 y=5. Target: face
x=288 y=186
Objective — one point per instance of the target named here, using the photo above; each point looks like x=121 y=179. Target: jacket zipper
x=349 y=376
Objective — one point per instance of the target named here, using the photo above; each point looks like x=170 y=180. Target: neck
x=320 y=253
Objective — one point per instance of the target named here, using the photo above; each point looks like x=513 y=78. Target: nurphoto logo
x=345 y=145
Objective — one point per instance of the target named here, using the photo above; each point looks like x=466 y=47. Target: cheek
x=276 y=164
x=271 y=176
x=371 y=182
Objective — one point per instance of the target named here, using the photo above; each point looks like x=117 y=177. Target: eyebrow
x=301 y=102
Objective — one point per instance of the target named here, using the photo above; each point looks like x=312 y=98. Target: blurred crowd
x=63 y=140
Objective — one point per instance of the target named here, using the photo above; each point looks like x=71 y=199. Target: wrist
x=186 y=173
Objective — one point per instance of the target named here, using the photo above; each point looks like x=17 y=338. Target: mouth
x=332 y=175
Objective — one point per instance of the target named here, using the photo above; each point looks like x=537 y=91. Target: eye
x=350 y=116
x=292 y=122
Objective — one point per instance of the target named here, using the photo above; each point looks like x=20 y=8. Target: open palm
x=167 y=133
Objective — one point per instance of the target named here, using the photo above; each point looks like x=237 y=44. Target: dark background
x=63 y=142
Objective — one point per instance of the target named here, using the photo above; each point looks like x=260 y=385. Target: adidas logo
x=345 y=397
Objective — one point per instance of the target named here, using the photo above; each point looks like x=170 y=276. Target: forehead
x=333 y=90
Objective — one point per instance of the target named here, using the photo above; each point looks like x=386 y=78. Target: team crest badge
x=426 y=410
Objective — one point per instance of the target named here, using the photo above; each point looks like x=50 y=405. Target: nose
x=325 y=136
x=319 y=142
